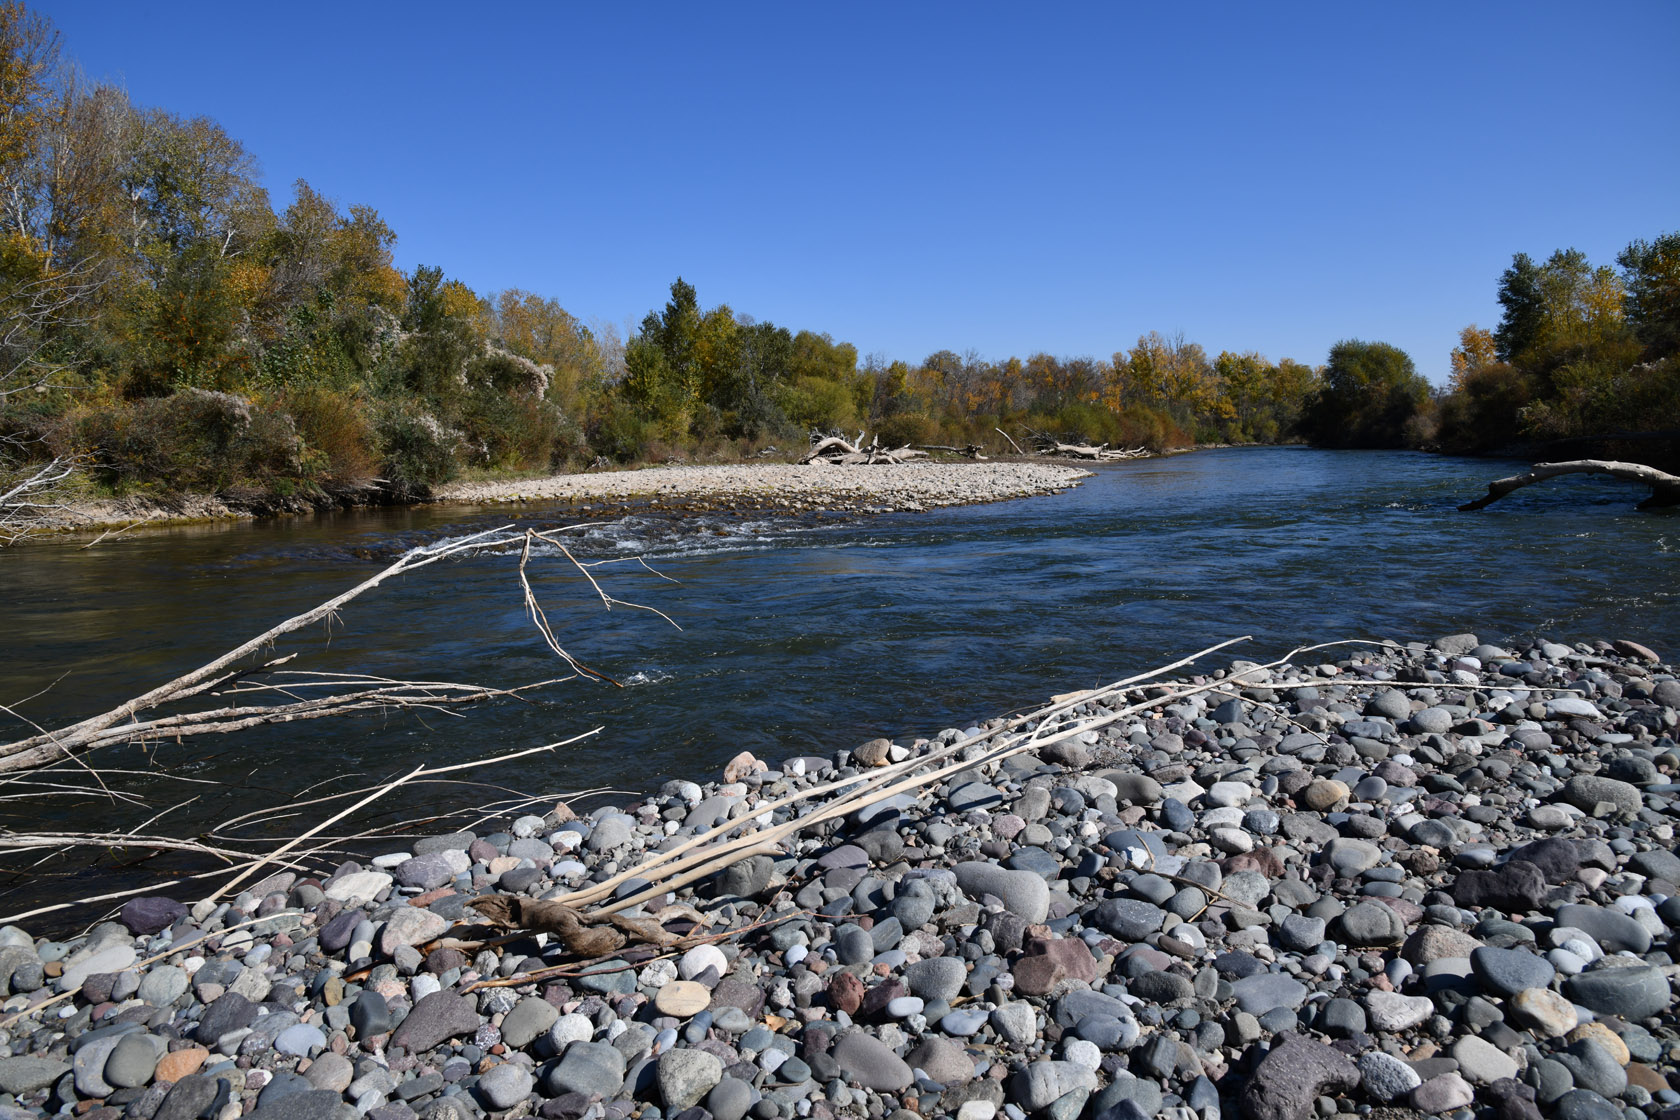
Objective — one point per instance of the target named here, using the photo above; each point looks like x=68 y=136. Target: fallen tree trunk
x=1076 y=450
x=1665 y=488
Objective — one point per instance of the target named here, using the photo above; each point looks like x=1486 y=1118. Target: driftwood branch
x=1012 y=442
x=29 y=495
x=1665 y=488
x=130 y=722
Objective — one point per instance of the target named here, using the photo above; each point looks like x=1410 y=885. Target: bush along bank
x=1432 y=877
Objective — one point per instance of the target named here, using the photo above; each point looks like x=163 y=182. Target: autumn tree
x=1476 y=350
x=1246 y=379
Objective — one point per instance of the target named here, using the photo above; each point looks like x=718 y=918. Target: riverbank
x=1429 y=876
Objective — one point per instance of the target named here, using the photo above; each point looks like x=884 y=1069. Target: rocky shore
x=1421 y=879
x=874 y=489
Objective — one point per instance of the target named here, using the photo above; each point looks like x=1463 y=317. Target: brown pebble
x=332 y=992
x=179 y=1063
x=1605 y=1037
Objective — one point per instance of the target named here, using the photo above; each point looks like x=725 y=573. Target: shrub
x=191 y=440
x=337 y=433
x=511 y=430
x=416 y=452
x=1485 y=413
x=616 y=430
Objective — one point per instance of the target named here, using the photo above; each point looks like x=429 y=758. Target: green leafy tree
x=1371 y=394
x=1651 y=275
x=442 y=318
x=1525 y=309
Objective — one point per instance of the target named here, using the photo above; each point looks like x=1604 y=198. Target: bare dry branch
x=1665 y=487
x=347 y=693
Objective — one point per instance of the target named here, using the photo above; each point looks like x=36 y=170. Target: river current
x=799 y=635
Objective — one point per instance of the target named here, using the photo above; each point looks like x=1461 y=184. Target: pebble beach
x=1425 y=878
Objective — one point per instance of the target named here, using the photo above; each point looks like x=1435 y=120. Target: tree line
x=166 y=326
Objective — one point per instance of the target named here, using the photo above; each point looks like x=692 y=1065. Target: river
x=798 y=635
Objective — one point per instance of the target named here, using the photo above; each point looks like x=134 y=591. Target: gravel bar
x=1426 y=878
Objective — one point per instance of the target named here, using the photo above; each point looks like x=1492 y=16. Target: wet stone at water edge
x=1429 y=878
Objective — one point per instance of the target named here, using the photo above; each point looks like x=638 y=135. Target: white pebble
x=1081 y=1053
x=570 y=1028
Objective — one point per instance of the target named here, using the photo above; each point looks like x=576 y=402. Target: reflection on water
x=812 y=634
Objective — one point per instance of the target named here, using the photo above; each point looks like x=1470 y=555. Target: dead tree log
x=972 y=451
x=1076 y=450
x=834 y=449
x=1665 y=488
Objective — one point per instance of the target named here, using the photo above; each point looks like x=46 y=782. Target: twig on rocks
x=417 y=772
x=560 y=972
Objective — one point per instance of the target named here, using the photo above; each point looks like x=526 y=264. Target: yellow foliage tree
x=1476 y=350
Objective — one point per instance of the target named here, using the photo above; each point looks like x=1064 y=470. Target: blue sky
x=914 y=177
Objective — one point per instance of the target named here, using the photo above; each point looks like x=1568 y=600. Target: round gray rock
x=505 y=1085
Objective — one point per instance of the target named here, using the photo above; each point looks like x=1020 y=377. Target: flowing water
x=798 y=635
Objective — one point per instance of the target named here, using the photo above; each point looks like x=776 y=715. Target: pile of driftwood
x=840 y=452
x=1049 y=445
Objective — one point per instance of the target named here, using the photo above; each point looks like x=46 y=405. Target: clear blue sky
x=912 y=177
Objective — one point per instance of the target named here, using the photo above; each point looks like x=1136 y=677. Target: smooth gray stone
x=505 y=1085
x=1506 y=972
x=316 y=1104
x=1613 y=930
x=869 y=1062
x=1263 y=991
x=590 y=1068
x=1630 y=991
x=1129 y=919
x=937 y=978
x=530 y=1017
x=729 y=1099
x=1023 y=893
x=26 y=1074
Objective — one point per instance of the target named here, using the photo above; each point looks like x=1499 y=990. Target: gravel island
x=879 y=488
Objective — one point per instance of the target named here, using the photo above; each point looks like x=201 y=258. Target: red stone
x=424 y=900
x=845 y=992
x=1050 y=960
